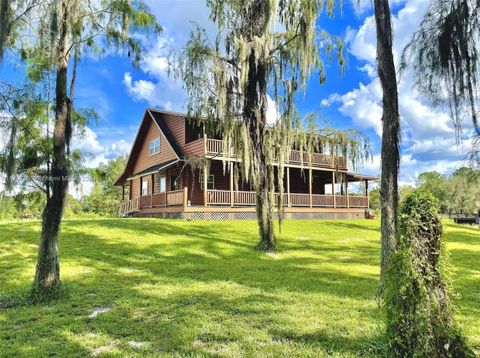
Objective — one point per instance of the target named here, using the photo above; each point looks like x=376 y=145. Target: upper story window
x=154 y=147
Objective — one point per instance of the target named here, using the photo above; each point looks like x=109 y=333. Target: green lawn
x=176 y=288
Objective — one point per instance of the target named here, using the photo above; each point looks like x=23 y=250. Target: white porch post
x=333 y=190
x=289 y=203
x=231 y=185
x=366 y=193
x=310 y=186
x=346 y=191
x=205 y=180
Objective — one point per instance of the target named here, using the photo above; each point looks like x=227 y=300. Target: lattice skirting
x=253 y=216
x=242 y=215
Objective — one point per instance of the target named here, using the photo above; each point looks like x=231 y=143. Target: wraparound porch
x=231 y=201
x=175 y=190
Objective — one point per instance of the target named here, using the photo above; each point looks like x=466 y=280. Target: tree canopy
x=263 y=48
x=50 y=36
x=444 y=56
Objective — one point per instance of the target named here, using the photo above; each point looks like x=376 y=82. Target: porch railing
x=129 y=206
x=214 y=147
x=248 y=198
x=169 y=198
x=175 y=197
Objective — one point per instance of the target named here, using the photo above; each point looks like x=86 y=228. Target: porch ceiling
x=352 y=177
x=155 y=168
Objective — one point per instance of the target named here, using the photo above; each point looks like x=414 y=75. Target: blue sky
x=120 y=93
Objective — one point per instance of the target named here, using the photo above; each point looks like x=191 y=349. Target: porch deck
x=224 y=202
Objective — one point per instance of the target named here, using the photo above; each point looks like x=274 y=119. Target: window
x=145 y=187
x=163 y=184
x=210 y=182
x=154 y=147
x=175 y=182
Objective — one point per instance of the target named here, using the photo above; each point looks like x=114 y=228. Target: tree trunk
x=254 y=115
x=391 y=131
x=47 y=276
x=264 y=209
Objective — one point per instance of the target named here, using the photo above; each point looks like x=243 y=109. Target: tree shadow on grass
x=191 y=319
x=363 y=225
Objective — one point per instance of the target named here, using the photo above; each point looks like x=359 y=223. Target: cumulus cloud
x=160 y=89
x=428 y=134
x=154 y=84
x=95 y=152
x=272 y=111
x=365 y=6
x=140 y=89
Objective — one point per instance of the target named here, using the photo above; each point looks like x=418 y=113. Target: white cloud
x=160 y=89
x=370 y=70
x=272 y=111
x=176 y=17
x=333 y=98
x=164 y=92
x=428 y=134
x=140 y=89
x=87 y=141
x=362 y=45
x=361 y=105
x=362 y=7
x=98 y=151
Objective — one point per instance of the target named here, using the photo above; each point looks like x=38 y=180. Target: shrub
x=419 y=313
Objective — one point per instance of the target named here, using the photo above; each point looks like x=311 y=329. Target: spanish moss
x=264 y=52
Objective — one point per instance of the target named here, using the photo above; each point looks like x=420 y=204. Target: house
x=158 y=179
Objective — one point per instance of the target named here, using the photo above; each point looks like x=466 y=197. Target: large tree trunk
x=264 y=209
x=255 y=114
x=47 y=276
x=255 y=109
x=391 y=131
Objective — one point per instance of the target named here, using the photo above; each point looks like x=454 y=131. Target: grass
x=176 y=288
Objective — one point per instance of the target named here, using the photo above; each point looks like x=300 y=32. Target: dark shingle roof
x=171 y=139
x=157 y=167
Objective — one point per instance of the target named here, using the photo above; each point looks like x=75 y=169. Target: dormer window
x=154 y=147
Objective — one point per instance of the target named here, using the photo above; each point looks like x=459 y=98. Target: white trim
x=200 y=179
x=144 y=180
x=160 y=129
x=164 y=177
x=159 y=147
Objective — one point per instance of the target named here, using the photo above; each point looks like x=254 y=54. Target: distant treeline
x=104 y=198
x=458 y=193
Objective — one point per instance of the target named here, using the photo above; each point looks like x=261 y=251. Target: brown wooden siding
x=196 y=147
x=135 y=183
x=176 y=125
x=144 y=160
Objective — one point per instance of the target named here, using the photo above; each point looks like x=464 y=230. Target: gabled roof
x=155 y=116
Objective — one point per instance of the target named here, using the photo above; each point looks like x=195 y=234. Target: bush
x=419 y=313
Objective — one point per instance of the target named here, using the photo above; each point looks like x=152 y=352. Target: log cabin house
x=157 y=180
